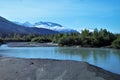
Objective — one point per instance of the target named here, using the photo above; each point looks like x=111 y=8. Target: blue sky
x=76 y=14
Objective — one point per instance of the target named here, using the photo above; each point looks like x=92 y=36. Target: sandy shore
x=45 y=69
x=30 y=44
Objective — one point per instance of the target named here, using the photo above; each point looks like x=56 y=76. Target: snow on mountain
x=48 y=25
x=8 y=27
x=51 y=24
x=54 y=26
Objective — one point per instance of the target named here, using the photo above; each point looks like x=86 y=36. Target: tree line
x=97 y=38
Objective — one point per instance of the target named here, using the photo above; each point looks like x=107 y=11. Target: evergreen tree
x=116 y=43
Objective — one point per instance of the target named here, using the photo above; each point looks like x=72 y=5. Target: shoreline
x=30 y=44
x=51 y=69
x=49 y=44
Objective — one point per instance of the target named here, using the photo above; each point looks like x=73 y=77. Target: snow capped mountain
x=54 y=26
x=48 y=25
x=51 y=24
x=8 y=27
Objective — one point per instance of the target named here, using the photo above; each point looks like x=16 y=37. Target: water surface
x=108 y=59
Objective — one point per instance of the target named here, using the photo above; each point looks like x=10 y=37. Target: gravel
x=49 y=69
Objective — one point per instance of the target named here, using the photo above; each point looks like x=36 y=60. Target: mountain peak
x=50 y=24
x=8 y=27
x=27 y=24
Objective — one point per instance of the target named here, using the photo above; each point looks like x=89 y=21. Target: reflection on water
x=106 y=58
x=85 y=53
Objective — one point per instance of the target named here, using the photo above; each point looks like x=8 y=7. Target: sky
x=75 y=14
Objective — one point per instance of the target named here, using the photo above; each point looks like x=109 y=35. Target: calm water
x=108 y=59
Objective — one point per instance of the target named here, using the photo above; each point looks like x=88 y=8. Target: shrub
x=116 y=43
x=69 y=41
x=1 y=41
x=40 y=40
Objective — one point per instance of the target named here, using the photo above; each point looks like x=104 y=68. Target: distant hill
x=8 y=27
x=48 y=25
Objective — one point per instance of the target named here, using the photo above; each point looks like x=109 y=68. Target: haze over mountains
x=48 y=25
x=8 y=27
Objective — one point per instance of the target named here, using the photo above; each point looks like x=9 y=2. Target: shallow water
x=108 y=59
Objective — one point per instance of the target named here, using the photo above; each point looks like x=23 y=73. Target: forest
x=97 y=38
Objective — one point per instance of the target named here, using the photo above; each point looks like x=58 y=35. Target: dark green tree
x=41 y=39
x=1 y=41
x=116 y=43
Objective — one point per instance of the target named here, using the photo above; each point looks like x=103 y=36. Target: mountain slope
x=49 y=25
x=54 y=26
x=7 y=27
x=26 y=24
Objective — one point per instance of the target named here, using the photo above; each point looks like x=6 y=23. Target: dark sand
x=45 y=69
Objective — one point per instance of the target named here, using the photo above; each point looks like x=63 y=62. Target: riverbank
x=1 y=43
x=35 y=44
x=30 y=44
x=46 y=69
